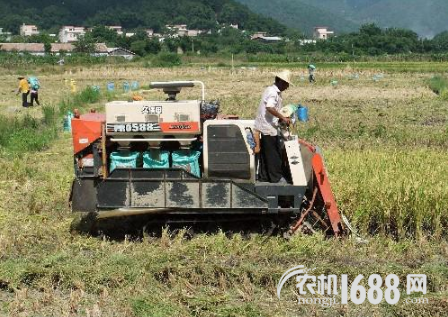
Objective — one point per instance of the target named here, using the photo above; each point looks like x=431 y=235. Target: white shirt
x=265 y=122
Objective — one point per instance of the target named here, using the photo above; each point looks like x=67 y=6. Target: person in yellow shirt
x=24 y=88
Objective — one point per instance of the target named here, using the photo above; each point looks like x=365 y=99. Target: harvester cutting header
x=177 y=161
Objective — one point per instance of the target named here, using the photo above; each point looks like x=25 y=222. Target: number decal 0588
x=133 y=127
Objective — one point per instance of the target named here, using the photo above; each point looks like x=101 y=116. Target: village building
x=6 y=35
x=120 y=52
x=149 y=32
x=258 y=35
x=28 y=30
x=179 y=29
x=116 y=28
x=322 y=32
x=193 y=33
x=306 y=42
x=262 y=37
x=70 y=34
x=38 y=49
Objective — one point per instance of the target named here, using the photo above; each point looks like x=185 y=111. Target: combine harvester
x=173 y=162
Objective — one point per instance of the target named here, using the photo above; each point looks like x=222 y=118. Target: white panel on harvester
x=295 y=162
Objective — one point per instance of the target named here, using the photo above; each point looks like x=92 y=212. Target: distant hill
x=426 y=17
x=203 y=14
x=301 y=16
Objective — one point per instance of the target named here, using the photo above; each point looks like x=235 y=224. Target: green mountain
x=302 y=16
x=426 y=17
x=130 y=14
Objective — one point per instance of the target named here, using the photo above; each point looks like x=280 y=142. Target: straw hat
x=285 y=76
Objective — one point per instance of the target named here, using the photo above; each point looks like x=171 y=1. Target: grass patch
x=25 y=134
x=87 y=95
x=30 y=134
x=439 y=84
x=166 y=60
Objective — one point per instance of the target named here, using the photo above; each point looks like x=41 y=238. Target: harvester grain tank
x=175 y=161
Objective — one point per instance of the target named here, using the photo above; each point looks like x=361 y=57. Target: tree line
x=375 y=41
x=370 y=40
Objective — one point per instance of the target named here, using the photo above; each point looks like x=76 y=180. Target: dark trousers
x=35 y=97
x=271 y=163
x=25 y=99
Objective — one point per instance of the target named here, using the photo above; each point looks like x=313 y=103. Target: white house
x=193 y=33
x=120 y=52
x=261 y=37
x=258 y=35
x=306 y=41
x=116 y=28
x=69 y=34
x=28 y=30
x=7 y=35
x=179 y=29
x=322 y=32
x=149 y=32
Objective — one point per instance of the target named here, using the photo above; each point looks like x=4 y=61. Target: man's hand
x=274 y=112
x=286 y=120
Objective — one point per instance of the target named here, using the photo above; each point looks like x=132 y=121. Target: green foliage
x=102 y=34
x=29 y=140
x=439 y=85
x=85 y=44
x=440 y=42
x=50 y=115
x=301 y=16
x=145 y=46
x=25 y=134
x=371 y=40
x=166 y=60
x=88 y=95
x=426 y=17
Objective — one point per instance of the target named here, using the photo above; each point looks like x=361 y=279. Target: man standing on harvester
x=266 y=122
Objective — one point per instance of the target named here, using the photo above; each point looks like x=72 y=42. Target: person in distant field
x=311 y=69
x=34 y=89
x=24 y=89
x=266 y=123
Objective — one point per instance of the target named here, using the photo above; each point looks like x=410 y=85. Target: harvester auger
x=177 y=162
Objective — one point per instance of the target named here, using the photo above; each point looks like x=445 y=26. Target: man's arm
x=20 y=88
x=277 y=114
